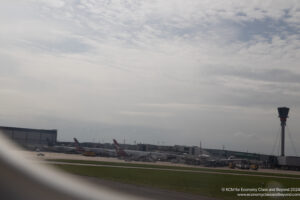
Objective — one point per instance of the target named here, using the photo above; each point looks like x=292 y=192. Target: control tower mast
x=283 y=115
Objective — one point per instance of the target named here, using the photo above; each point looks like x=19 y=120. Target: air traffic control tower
x=286 y=162
x=283 y=115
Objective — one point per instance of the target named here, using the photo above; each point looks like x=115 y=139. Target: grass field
x=172 y=167
x=189 y=182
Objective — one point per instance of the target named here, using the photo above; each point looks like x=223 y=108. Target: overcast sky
x=167 y=72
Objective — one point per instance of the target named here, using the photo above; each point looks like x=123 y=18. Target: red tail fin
x=119 y=150
x=77 y=145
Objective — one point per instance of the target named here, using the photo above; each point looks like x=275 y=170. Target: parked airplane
x=58 y=148
x=93 y=151
x=138 y=155
x=203 y=156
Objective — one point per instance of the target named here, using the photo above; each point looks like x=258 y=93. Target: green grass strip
x=173 y=167
x=194 y=183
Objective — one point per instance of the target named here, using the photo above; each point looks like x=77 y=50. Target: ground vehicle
x=239 y=163
x=288 y=162
x=254 y=166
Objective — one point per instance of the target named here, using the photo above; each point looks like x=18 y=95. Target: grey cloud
x=89 y=130
x=178 y=46
x=9 y=66
x=280 y=75
x=66 y=45
x=271 y=75
x=70 y=46
x=255 y=88
x=129 y=22
x=262 y=99
x=265 y=28
x=259 y=97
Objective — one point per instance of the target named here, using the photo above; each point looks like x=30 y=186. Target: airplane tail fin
x=77 y=145
x=119 y=149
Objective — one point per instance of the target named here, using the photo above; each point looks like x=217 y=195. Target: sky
x=160 y=72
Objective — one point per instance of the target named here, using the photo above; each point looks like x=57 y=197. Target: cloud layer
x=179 y=71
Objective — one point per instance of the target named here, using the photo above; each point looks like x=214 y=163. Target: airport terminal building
x=29 y=137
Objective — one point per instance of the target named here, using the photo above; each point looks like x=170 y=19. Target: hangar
x=27 y=137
